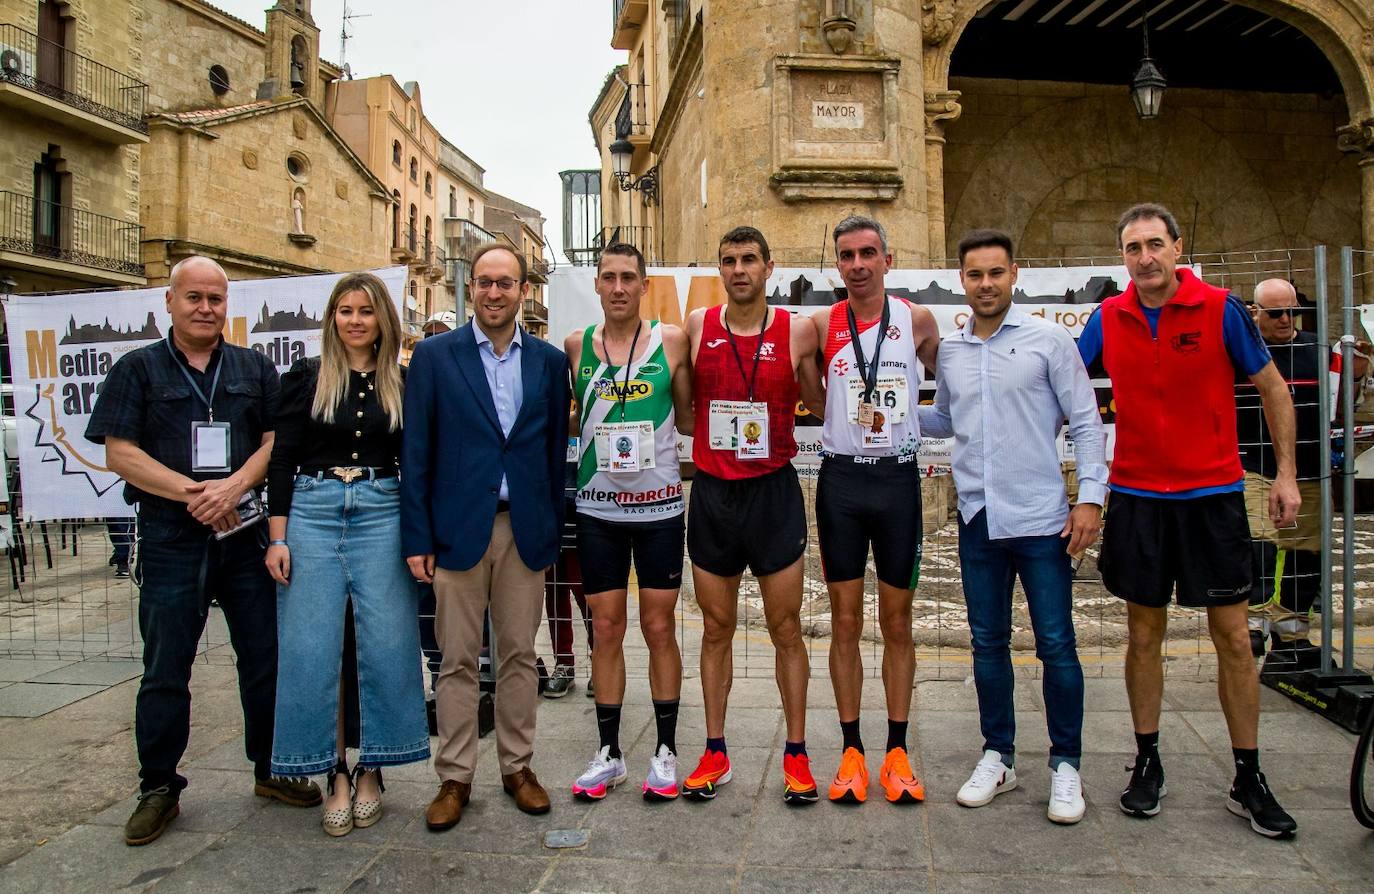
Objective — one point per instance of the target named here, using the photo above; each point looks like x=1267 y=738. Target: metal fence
x=62 y=599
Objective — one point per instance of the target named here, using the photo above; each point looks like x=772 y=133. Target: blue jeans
x=181 y=567
x=345 y=542
x=990 y=568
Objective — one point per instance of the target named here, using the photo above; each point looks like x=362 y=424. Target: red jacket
x=1174 y=393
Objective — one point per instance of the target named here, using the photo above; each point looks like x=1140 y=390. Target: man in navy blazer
x=486 y=431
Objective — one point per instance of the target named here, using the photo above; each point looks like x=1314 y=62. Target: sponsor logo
x=1187 y=342
x=893 y=333
x=635 y=389
x=650 y=369
x=585 y=372
x=841 y=367
x=716 y=342
x=892 y=364
x=671 y=493
x=766 y=350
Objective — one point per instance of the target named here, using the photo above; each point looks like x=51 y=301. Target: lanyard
x=758 y=350
x=624 y=394
x=869 y=374
x=214 y=383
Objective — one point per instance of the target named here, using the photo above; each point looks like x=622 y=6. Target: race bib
x=624 y=446
x=889 y=399
x=739 y=426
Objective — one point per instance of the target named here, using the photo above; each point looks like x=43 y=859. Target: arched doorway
x=1030 y=125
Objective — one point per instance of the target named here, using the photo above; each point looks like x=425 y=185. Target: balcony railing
x=33 y=63
x=465 y=237
x=632 y=120
x=535 y=310
x=641 y=238
x=60 y=232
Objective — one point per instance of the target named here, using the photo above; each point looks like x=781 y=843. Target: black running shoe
x=1252 y=799
x=1142 y=794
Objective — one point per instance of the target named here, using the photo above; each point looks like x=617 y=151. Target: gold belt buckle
x=346 y=474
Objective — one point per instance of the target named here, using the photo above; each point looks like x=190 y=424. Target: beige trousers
x=515 y=594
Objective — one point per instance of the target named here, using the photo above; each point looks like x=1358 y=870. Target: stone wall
x=245 y=207
x=182 y=41
x=1054 y=164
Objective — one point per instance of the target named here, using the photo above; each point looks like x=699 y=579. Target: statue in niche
x=838 y=26
x=298 y=209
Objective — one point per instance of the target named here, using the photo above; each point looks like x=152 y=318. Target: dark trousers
x=121 y=533
x=179 y=573
x=562 y=587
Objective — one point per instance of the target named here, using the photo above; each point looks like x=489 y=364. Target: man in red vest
x=1176 y=520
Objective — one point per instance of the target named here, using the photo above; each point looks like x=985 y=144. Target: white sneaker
x=1066 y=796
x=661 y=783
x=603 y=773
x=990 y=778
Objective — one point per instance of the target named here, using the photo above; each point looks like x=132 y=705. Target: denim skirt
x=345 y=543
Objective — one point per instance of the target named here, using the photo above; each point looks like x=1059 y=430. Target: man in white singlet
x=872 y=349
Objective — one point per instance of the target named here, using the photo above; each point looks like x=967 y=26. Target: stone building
x=523 y=227
x=942 y=115
x=242 y=164
x=463 y=200
x=385 y=124
x=72 y=102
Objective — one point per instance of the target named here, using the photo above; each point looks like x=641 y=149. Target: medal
x=623 y=446
x=752 y=432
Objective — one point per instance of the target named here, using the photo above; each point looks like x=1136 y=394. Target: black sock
x=1147 y=745
x=665 y=719
x=1247 y=762
x=896 y=734
x=793 y=749
x=716 y=745
x=850 y=730
x=608 y=727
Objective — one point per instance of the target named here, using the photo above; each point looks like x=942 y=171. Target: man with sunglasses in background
x=1287 y=560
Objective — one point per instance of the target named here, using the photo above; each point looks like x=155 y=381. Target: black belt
x=899 y=460
x=348 y=474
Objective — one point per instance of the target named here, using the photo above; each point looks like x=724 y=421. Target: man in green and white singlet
x=631 y=390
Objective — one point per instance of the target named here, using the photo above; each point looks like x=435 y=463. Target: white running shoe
x=661 y=783
x=990 y=778
x=602 y=774
x=1066 y=796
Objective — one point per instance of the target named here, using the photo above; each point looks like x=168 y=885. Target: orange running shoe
x=851 y=780
x=900 y=784
x=712 y=770
x=798 y=785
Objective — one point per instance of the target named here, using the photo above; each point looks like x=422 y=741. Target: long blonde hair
x=333 y=381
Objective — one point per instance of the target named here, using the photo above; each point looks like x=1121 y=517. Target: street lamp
x=622 y=152
x=1147 y=87
x=7 y=285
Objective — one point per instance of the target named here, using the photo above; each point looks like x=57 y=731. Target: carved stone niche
x=837 y=27
x=835 y=124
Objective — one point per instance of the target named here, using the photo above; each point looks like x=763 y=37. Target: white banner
x=61 y=348
x=1066 y=295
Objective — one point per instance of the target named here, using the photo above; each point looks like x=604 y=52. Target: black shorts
x=1200 y=545
x=865 y=503
x=604 y=549
x=759 y=523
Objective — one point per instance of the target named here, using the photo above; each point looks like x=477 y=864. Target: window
x=410 y=232
x=219 y=80
x=429 y=184
x=396 y=218
x=452 y=202
x=298 y=166
x=472 y=210
x=396 y=152
x=414 y=170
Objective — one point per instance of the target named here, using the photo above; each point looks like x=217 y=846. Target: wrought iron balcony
x=641 y=238
x=627 y=17
x=465 y=237
x=60 y=233
x=538 y=268
x=535 y=311
x=632 y=119
x=46 y=78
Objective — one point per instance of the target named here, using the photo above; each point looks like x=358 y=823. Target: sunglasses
x=1276 y=313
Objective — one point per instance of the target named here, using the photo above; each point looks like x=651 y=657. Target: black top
x=358 y=436
x=147 y=399
x=1299 y=362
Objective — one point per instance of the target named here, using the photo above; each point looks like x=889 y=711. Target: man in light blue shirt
x=1006 y=382
x=507 y=387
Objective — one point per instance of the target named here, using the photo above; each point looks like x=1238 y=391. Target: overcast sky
x=508 y=82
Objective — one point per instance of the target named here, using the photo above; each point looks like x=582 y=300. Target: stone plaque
x=837 y=106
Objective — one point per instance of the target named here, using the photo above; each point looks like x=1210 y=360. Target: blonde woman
x=334 y=502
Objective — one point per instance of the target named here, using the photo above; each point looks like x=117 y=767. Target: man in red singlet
x=746 y=507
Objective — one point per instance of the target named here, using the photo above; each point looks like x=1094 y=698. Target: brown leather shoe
x=446 y=809
x=529 y=795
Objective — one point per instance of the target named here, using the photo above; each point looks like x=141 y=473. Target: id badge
x=879 y=432
x=740 y=427
x=889 y=398
x=622 y=447
x=210 y=447
x=753 y=433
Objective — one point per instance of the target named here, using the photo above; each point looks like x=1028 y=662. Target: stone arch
x=1323 y=22
x=1078 y=161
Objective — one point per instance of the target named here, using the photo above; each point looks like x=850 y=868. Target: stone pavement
x=70 y=773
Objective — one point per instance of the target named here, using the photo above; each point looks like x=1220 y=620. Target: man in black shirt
x=1288 y=569
x=187 y=422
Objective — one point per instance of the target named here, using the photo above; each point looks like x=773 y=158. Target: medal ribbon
x=869 y=374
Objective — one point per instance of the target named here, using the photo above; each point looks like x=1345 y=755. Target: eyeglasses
x=505 y=284
x=1275 y=313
